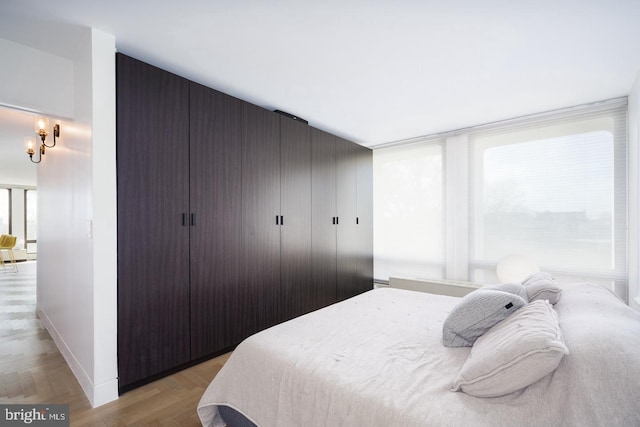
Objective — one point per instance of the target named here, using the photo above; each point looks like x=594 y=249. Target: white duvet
x=378 y=360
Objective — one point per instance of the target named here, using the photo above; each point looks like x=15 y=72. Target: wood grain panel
x=296 y=249
x=365 y=219
x=153 y=193
x=191 y=289
x=323 y=231
x=260 y=302
x=346 y=238
x=216 y=236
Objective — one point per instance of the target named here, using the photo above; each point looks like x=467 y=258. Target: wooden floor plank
x=28 y=384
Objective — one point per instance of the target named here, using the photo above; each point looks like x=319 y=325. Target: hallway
x=32 y=370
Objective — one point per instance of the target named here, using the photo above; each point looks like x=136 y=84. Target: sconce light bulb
x=41 y=124
x=30 y=147
x=29 y=144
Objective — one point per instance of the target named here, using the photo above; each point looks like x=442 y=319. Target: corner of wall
x=104 y=218
x=633 y=191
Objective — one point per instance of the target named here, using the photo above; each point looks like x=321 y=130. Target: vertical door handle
x=277 y=220
x=281 y=220
x=334 y=220
x=357 y=221
x=193 y=220
x=337 y=220
x=184 y=219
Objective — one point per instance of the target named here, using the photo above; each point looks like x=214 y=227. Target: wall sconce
x=41 y=130
x=30 y=146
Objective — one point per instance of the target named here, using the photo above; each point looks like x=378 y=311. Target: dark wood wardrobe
x=231 y=219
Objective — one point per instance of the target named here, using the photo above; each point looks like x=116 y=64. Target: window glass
x=31 y=219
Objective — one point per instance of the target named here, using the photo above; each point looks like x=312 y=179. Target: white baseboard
x=97 y=394
x=104 y=393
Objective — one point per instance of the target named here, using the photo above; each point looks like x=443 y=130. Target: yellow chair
x=7 y=243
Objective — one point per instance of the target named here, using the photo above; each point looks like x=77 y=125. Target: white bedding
x=378 y=360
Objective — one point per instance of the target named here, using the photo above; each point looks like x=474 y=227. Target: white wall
x=76 y=206
x=104 y=219
x=40 y=81
x=634 y=194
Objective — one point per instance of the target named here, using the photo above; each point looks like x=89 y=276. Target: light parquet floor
x=32 y=370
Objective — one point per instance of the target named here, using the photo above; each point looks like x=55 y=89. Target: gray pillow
x=512 y=288
x=542 y=286
x=515 y=353
x=475 y=314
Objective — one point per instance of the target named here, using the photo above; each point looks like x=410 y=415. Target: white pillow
x=542 y=286
x=512 y=288
x=515 y=353
x=475 y=314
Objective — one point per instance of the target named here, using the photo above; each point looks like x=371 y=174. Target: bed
x=378 y=359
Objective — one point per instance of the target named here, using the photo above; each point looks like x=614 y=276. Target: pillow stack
x=514 y=334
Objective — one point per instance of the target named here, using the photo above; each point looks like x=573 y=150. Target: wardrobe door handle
x=193 y=220
x=357 y=221
x=334 y=220
x=184 y=220
x=281 y=220
x=277 y=220
x=337 y=220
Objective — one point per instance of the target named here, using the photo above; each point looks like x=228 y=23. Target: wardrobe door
x=295 y=230
x=260 y=302
x=153 y=244
x=323 y=224
x=215 y=221
x=346 y=239
x=364 y=219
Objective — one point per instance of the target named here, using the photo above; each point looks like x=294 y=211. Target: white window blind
x=554 y=191
x=409 y=211
x=550 y=187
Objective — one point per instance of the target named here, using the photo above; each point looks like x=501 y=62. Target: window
x=555 y=192
x=409 y=211
x=5 y=211
x=31 y=220
x=551 y=187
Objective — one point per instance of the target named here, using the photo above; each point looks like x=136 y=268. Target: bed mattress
x=378 y=360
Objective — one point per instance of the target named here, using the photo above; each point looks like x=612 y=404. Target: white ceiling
x=374 y=71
